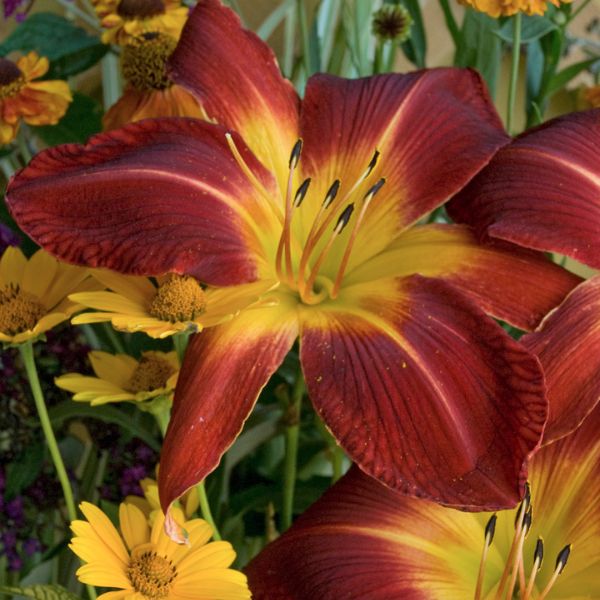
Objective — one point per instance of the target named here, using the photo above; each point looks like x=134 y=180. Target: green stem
x=514 y=71
x=206 y=512
x=180 y=343
x=114 y=339
x=292 y=434
x=578 y=10
x=378 y=59
x=26 y=350
x=303 y=21
x=23 y=147
x=337 y=462
x=450 y=22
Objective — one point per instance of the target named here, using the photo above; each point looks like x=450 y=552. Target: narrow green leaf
x=23 y=472
x=532 y=28
x=82 y=119
x=563 y=77
x=70 y=49
x=40 y=592
x=415 y=48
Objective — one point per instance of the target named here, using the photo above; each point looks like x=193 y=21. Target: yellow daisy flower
x=149 y=92
x=143 y=563
x=176 y=303
x=506 y=8
x=122 y=378
x=150 y=503
x=36 y=103
x=33 y=294
x=126 y=19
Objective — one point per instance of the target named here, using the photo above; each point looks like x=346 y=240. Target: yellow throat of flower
x=144 y=60
x=19 y=311
x=150 y=574
x=11 y=79
x=179 y=298
x=332 y=218
x=152 y=373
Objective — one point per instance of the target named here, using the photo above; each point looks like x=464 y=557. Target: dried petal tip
x=490 y=529
x=562 y=558
x=392 y=23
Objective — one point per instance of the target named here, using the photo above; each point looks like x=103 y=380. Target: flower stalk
x=514 y=71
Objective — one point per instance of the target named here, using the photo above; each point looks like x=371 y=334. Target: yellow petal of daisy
x=108 y=301
x=117 y=369
x=39 y=272
x=212 y=556
x=101 y=576
x=138 y=289
x=120 y=595
x=73 y=382
x=102 y=526
x=134 y=526
x=12 y=266
x=224 y=584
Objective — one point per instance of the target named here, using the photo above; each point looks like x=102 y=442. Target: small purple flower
x=14 y=509
x=15 y=562
x=10 y=9
x=31 y=546
x=9 y=541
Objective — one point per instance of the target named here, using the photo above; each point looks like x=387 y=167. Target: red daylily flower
x=543 y=191
x=362 y=540
x=422 y=390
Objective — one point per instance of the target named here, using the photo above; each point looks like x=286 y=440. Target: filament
x=490 y=529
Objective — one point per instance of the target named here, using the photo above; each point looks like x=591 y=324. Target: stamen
x=518 y=561
x=285 y=242
x=538 y=557
x=490 y=529
x=256 y=184
x=518 y=528
x=342 y=221
x=301 y=192
x=342 y=269
x=561 y=563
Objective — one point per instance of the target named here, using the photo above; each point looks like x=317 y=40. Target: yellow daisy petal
x=216 y=555
x=105 y=529
x=118 y=369
x=12 y=266
x=108 y=301
x=104 y=577
x=39 y=272
x=139 y=289
x=225 y=584
x=73 y=382
x=134 y=526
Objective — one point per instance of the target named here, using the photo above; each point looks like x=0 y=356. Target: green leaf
x=479 y=48
x=82 y=119
x=70 y=49
x=41 y=592
x=532 y=28
x=535 y=70
x=563 y=77
x=415 y=48
x=72 y=410
x=21 y=473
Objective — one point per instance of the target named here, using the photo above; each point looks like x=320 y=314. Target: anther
x=301 y=193
x=375 y=188
x=561 y=563
x=344 y=218
x=331 y=193
x=538 y=557
x=372 y=164
x=295 y=155
x=490 y=530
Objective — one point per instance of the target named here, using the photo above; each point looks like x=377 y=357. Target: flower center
x=11 y=78
x=178 y=298
x=144 y=61
x=332 y=218
x=140 y=9
x=151 y=575
x=19 y=311
x=392 y=22
x=151 y=373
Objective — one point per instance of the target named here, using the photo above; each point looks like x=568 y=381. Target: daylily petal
x=415 y=121
x=236 y=77
x=516 y=285
x=157 y=196
x=542 y=191
x=224 y=370
x=568 y=346
x=424 y=391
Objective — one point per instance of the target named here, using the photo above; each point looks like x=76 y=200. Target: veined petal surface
x=363 y=540
x=516 y=285
x=235 y=76
x=435 y=130
x=424 y=391
x=543 y=190
x=156 y=196
x=224 y=370
x=568 y=346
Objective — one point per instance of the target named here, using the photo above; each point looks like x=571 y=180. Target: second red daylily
x=419 y=386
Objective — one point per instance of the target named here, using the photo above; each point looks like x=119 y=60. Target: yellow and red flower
x=361 y=540
x=150 y=92
x=22 y=98
x=125 y=20
x=507 y=8
x=421 y=388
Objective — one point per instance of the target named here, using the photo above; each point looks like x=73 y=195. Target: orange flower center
x=19 y=311
x=151 y=575
x=11 y=79
x=140 y=9
x=144 y=61
x=152 y=373
x=179 y=298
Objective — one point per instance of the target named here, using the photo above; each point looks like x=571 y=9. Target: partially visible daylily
x=419 y=386
x=361 y=540
x=543 y=192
